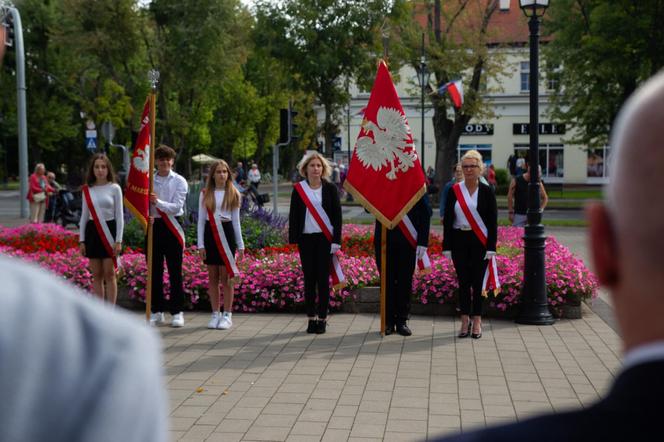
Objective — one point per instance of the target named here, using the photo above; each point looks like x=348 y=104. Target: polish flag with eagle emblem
x=138 y=180
x=385 y=173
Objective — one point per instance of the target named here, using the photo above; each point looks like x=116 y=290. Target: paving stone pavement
x=266 y=379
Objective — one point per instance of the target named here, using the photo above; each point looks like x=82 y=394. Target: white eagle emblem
x=142 y=159
x=391 y=143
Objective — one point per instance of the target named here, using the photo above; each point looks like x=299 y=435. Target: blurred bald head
x=635 y=195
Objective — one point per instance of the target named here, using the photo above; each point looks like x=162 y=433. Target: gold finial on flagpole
x=153 y=77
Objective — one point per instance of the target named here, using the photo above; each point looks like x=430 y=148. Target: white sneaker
x=178 y=320
x=225 y=322
x=157 y=318
x=214 y=320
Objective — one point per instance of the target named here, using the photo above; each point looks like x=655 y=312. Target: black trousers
x=399 y=269
x=166 y=247
x=316 y=260
x=468 y=257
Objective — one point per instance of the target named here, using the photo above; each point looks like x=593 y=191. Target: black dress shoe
x=311 y=327
x=320 y=326
x=403 y=330
x=466 y=333
x=389 y=329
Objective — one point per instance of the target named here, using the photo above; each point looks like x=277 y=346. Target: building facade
x=507 y=132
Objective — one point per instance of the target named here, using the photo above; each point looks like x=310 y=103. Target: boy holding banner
x=166 y=204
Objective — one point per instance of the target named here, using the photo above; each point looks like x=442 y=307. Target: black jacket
x=486 y=207
x=630 y=411
x=298 y=211
x=420 y=216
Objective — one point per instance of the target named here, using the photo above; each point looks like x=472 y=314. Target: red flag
x=385 y=174
x=138 y=181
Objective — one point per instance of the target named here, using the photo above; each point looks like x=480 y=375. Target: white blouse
x=225 y=215
x=460 y=220
x=310 y=224
x=108 y=199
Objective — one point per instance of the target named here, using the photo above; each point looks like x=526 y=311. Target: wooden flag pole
x=153 y=76
x=383 y=276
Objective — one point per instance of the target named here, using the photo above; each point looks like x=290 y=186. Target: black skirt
x=212 y=255
x=94 y=248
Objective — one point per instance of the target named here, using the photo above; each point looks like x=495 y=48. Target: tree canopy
x=600 y=52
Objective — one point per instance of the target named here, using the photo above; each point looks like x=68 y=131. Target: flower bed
x=275 y=280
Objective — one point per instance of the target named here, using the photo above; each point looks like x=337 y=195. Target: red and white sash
x=173 y=225
x=107 y=239
x=408 y=229
x=323 y=221
x=490 y=281
x=223 y=247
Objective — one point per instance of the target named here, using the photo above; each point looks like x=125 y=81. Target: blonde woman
x=313 y=200
x=219 y=237
x=102 y=225
x=38 y=192
x=462 y=241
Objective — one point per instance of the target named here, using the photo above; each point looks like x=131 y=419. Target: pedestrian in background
x=102 y=225
x=219 y=237
x=517 y=197
x=38 y=193
x=53 y=199
x=254 y=176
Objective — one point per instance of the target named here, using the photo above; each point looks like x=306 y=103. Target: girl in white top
x=223 y=200
x=107 y=199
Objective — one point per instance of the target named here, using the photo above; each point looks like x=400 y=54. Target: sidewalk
x=267 y=379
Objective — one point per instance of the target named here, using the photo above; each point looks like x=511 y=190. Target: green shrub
x=133 y=236
x=502 y=177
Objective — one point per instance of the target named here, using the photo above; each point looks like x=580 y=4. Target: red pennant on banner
x=138 y=181
x=385 y=174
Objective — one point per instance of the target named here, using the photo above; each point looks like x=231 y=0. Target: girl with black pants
x=304 y=230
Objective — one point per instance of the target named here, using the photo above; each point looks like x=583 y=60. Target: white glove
x=447 y=254
x=420 y=251
x=334 y=248
x=489 y=254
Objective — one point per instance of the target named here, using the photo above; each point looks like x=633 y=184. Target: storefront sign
x=544 y=129
x=478 y=129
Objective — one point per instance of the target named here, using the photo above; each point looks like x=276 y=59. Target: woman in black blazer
x=315 y=249
x=461 y=243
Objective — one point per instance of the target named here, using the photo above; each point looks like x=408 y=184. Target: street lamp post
x=534 y=304
x=423 y=78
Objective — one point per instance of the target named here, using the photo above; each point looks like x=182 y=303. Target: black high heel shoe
x=477 y=335
x=467 y=332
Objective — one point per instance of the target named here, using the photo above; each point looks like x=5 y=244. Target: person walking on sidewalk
x=219 y=237
x=312 y=202
x=626 y=244
x=167 y=205
x=101 y=226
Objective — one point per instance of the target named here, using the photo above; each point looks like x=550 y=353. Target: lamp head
x=533 y=8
